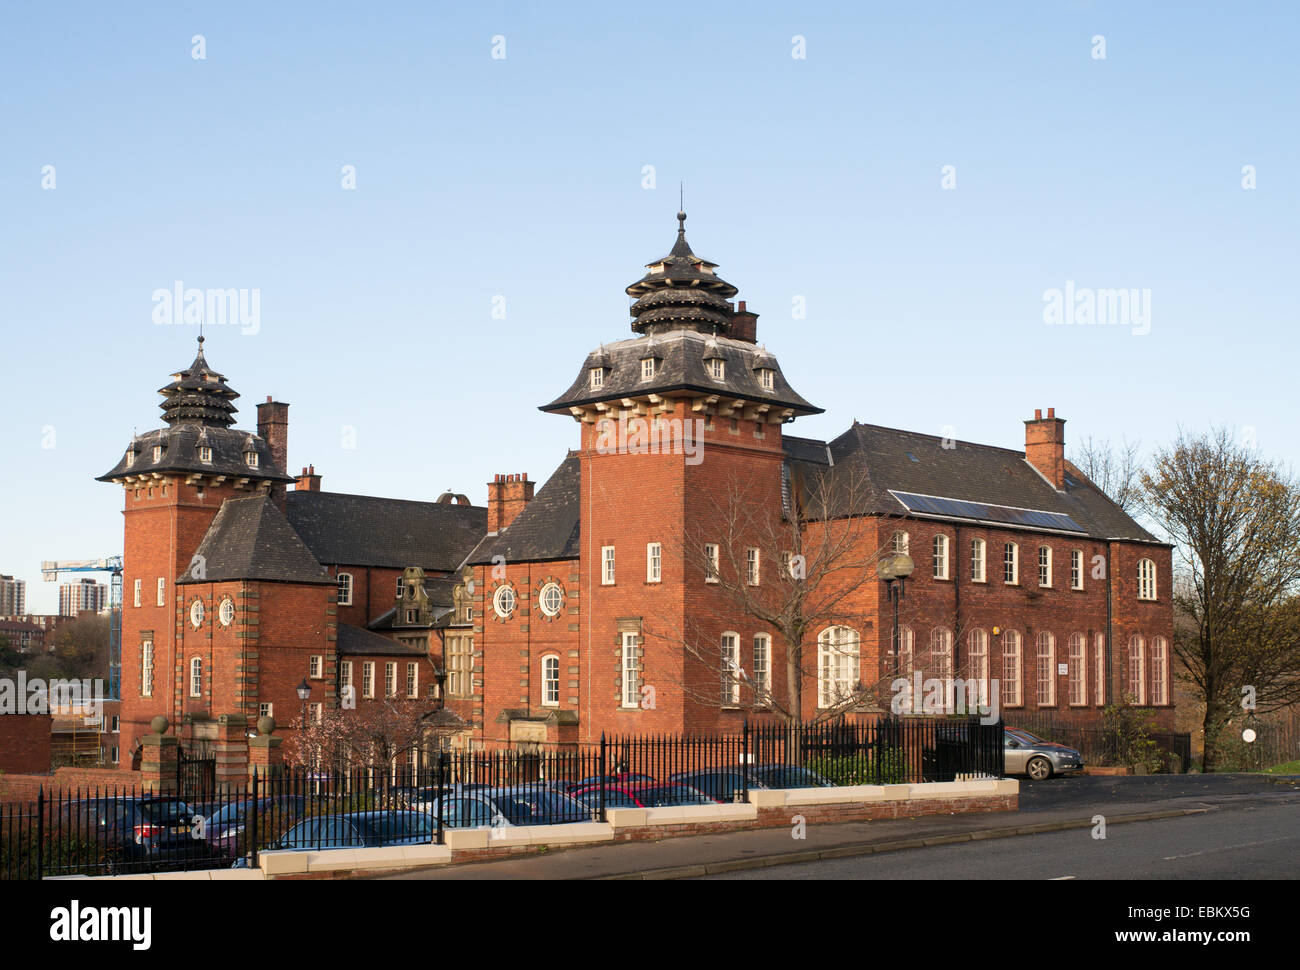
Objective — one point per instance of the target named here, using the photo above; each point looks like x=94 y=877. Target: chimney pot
x=1051 y=412
x=1038 y=414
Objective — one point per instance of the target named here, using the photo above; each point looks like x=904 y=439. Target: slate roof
x=681 y=366
x=180 y=454
x=250 y=539
x=354 y=641
x=876 y=460
x=360 y=530
x=679 y=290
x=547 y=528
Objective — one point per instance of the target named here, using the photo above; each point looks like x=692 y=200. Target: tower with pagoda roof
x=672 y=419
x=175 y=479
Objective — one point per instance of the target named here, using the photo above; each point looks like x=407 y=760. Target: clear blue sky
x=522 y=177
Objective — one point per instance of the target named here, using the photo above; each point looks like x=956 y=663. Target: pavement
x=1055 y=805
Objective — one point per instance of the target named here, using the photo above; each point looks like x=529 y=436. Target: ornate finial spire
x=198 y=395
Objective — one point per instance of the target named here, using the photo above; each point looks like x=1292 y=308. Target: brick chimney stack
x=507 y=496
x=1045 y=445
x=744 y=324
x=273 y=428
x=308 y=481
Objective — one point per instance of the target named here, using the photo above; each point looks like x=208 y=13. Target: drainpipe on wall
x=956 y=600
x=1111 y=692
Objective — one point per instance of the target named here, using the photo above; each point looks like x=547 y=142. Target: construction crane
x=113 y=566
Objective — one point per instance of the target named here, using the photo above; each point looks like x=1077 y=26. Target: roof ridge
x=934 y=437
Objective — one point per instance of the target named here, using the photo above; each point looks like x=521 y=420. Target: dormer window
x=647 y=368
x=766 y=378
x=717 y=368
x=205 y=454
x=130 y=458
x=250 y=459
x=157 y=453
x=597 y=378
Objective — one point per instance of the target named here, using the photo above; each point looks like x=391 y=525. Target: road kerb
x=871 y=848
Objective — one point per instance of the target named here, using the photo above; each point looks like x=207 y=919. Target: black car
x=136 y=834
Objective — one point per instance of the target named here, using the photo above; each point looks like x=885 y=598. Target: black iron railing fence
x=1167 y=751
x=119 y=830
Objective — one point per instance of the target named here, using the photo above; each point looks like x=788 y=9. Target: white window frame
x=941 y=653
x=647 y=368
x=979 y=663
x=316 y=712
x=460 y=666
x=135 y=592
x=196 y=677
x=1099 y=669
x=226 y=611
x=1011 y=564
x=1146 y=579
x=596 y=378
x=412 y=679
x=1045 y=567
x=762 y=672
x=390 y=678
x=198 y=614
x=1013 y=669
x=977 y=560
x=205 y=454
x=1076 y=569
x=839 y=664
x=499 y=596
x=265 y=709
x=162 y=591
x=713 y=553
x=630 y=672
x=345 y=674
x=251 y=459
x=146 y=668
x=753 y=566
x=1159 y=668
x=551 y=680
x=941 y=556
x=344 y=583
x=607 y=573
x=1078 y=667
x=654 y=562
x=766 y=378
x=906 y=650
x=901 y=542
x=316 y=666
x=157 y=453
x=1045 y=668
x=731 y=670
x=717 y=368
x=543 y=600
x=1137 y=669
x=401 y=586
x=368 y=678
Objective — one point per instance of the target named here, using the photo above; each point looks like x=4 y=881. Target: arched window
x=345 y=589
x=1078 y=669
x=196 y=677
x=1146 y=579
x=1159 y=678
x=1137 y=669
x=1012 y=669
x=1046 y=670
x=941 y=557
x=551 y=681
x=941 y=653
x=837 y=665
x=979 y=663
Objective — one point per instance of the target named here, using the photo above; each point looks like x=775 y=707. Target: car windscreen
x=527 y=807
x=399 y=825
x=788 y=776
x=165 y=811
x=666 y=795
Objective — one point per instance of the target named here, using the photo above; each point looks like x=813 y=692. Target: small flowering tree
x=375 y=732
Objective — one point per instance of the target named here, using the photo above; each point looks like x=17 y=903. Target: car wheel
x=1039 y=769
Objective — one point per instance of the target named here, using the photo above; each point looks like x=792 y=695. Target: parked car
x=221 y=829
x=788 y=776
x=1027 y=754
x=515 y=805
x=138 y=834
x=356 y=830
x=619 y=778
x=720 y=784
x=653 y=794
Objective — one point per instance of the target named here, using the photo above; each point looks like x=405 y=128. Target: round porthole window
x=196 y=613
x=503 y=601
x=227 y=612
x=551 y=599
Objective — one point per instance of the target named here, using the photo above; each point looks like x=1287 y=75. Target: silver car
x=1025 y=754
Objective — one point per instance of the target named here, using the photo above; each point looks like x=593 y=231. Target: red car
x=642 y=794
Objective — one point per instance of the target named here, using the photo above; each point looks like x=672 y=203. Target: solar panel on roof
x=961 y=509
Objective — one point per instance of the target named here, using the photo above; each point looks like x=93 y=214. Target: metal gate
x=195 y=777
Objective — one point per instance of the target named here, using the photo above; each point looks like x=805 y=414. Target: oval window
x=551 y=599
x=196 y=613
x=503 y=601
x=227 y=612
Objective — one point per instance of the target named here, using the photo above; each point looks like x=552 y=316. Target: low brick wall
x=65 y=781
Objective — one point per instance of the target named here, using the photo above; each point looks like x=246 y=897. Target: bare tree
x=1116 y=470
x=376 y=732
x=814 y=551
x=1234 y=518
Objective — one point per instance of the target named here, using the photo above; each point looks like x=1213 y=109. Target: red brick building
x=634 y=590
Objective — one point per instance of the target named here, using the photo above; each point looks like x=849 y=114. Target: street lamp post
x=894 y=570
x=304 y=692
